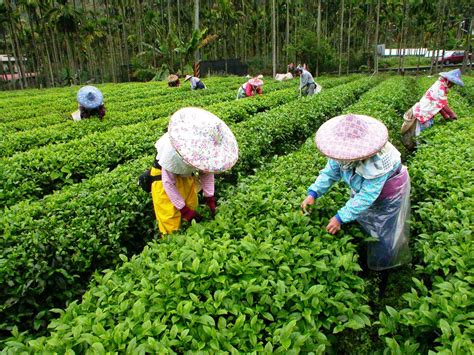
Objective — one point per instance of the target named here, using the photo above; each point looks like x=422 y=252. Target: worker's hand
x=211 y=202
x=189 y=214
x=333 y=226
x=307 y=201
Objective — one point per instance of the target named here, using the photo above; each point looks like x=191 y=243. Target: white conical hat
x=203 y=140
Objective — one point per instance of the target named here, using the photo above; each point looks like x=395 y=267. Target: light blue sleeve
x=328 y=176
x=361 y=201
x=193 y=82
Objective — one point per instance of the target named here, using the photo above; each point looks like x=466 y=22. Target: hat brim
x=338 y=147
x=451 y=78
x=187 y=78
x=203 y=140
x=172 y=78
x=256 y=82
x=84 y=101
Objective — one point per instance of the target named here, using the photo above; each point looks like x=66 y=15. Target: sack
x=145 y=180
x=76 y=115
x=408 y=121
x=408 y=130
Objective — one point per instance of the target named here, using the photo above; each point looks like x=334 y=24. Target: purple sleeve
x=207 y=182
x=169 y=184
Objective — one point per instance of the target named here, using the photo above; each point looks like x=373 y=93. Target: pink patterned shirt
x=169 y=184
x=432 y=102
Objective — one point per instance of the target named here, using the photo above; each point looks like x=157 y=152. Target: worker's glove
x=189 y=214
x=211 y=202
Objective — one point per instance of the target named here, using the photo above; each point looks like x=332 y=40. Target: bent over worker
x=196 y=83
x=173 y=81
x=359 y=153
x=250 y=88
x=197 y=145
x=435 y=100
x=308 y=86
x=90 y=103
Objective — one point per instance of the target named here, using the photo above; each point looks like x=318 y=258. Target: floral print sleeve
x=328 y=176
x=432 y=102
x=363 y=199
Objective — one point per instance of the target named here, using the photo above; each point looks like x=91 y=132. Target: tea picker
x=173 y=81
x=196 y=83
x=435 y=100
x=308 y=86
x=360 y=154
x=250 y=88
x=90 y=103
x=197 y=145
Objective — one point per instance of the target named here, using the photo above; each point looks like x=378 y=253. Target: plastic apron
x=241 y=93
x=311 y=89
x=387 y=220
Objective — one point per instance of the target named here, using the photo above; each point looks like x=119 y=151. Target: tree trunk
x=318 y=36
x=56 y=52
x=168 y=10
x=440 y=33
x=69 y=55
x=422 y=41
x=273 y=40
x=10 y=66
x=124 y=39
x=46 y=46
x=287 y=57
x=16 y=46
x=400 y=39
x=405 y=34
x=376 y=59
x=341 y=37
x=179 y=18
x=18 y=56
x=196 y=27
x=37 y=60
x=349 y=38
x=467 y=47
x=111 y=44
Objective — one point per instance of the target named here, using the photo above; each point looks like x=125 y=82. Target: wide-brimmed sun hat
x=453 y=76
x=90 y=97
x=351 y=137
x=255 y=82
x=203 y=140
x=171 y=78
x=187 y=77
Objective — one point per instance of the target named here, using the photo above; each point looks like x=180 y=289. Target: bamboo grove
x=74 y=41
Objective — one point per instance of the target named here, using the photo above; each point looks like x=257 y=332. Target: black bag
x=145 y=180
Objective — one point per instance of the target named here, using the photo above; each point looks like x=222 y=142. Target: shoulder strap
x=155 y=178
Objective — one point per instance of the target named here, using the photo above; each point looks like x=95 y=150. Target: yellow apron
x=168 y=217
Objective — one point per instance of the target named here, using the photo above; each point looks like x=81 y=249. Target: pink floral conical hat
x=203 y=140
x=351 y=137
x=255 y=82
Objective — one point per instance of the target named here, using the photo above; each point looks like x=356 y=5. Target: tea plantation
x=83 y=269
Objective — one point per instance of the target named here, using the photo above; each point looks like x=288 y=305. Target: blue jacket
x=366 y=191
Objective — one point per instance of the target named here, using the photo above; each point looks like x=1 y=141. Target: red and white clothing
x=248 y=90
x=434 y=101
